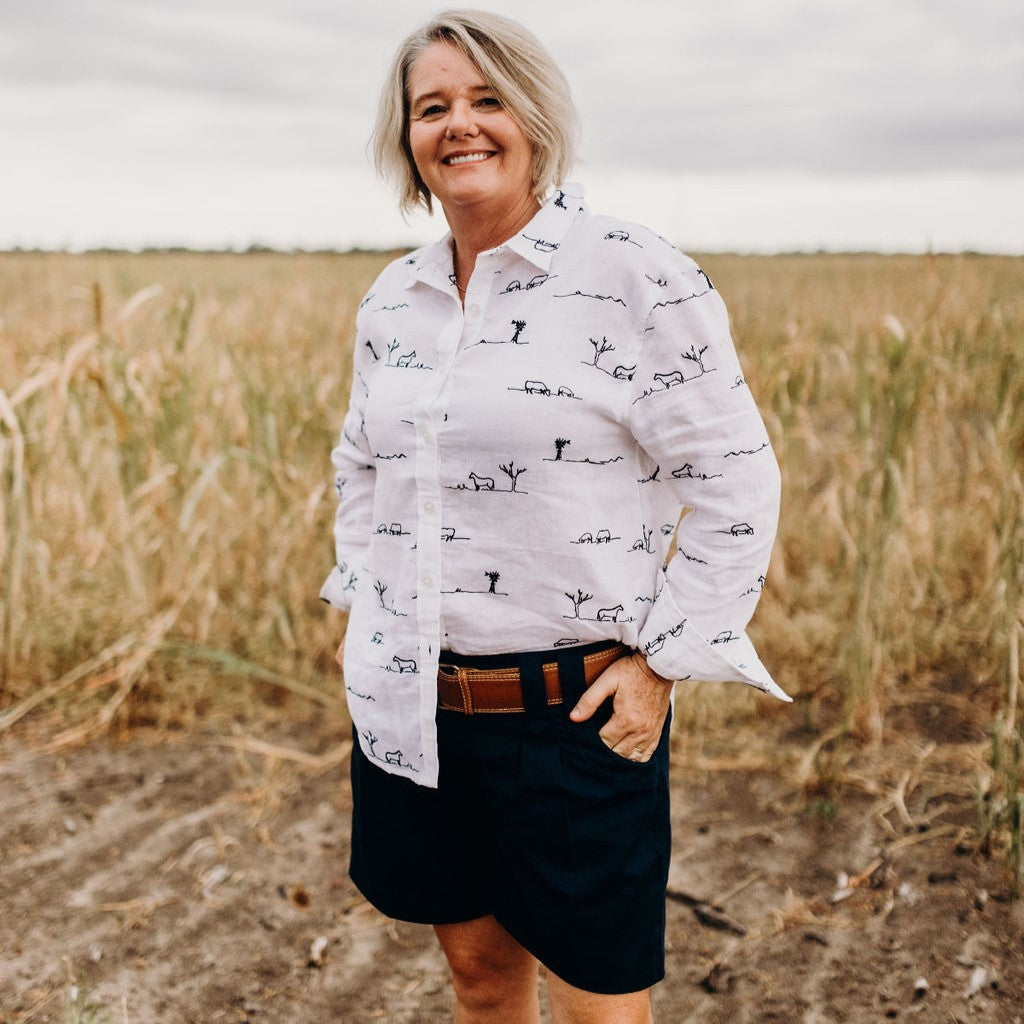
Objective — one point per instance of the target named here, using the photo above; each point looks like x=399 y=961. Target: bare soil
x=184 y=881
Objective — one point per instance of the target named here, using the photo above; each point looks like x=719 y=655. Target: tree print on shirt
x=405 y=361
x=380 y=587
x=613 y=613
x=560 y=445
x=600 y=348
x=492 y=576
x=490 y=483
x=518 y=326
x=664 y=380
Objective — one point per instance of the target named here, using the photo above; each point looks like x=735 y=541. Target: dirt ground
x=157 y=881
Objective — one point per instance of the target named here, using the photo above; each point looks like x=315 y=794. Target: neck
x=476 y=230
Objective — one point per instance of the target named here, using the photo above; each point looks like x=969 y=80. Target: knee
x=481 y=981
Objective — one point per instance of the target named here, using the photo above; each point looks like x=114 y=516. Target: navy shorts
x=537 y=822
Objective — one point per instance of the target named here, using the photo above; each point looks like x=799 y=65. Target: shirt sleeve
x=693 y=413
x=355 y=477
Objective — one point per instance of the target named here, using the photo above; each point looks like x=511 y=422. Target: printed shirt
x=510 y=475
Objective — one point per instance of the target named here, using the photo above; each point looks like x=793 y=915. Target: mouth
x=460 y=159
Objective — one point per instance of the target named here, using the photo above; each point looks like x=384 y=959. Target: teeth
x=469 y=158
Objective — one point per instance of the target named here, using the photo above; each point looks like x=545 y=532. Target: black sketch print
x=448 y=534
x=403 y=665
x=602 y=536
x=560 y=200
x=661 y=282
x=385 y=458
x=541 y=245
x=391 y=530
x=368 y=298
x=492 y=587
x=679 y=302
x=739 y=530
x=518 y=327
x=756 y=588
x=565 y=641
x=655 y=645
x=644 y=543
x=652 y=478
x=706 y=278
x=611 y=614
x=356 y=693
x=738 y=383
x=686 y=472
x=377 y=638
x=406 y=361
x=381 y=588
x=488 y=483
x=691 y=558
x=591 y=295
x=562 y=442
x=676 y=378
x=538 y=387
x=535 y=282
x=373 y=351
x=391 y=309
x=396 y=757
x=748 y=451
x=667 y=529
x=602 y=346
x=725 y=637
x=350 y=583
x=621 y=236
x=371 y=740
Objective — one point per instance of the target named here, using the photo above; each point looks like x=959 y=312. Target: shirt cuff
x=675 y=649
x=334 y=591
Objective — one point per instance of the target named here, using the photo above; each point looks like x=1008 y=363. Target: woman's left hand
x=640 y=703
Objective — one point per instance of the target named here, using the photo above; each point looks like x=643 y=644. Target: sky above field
x=753 y=125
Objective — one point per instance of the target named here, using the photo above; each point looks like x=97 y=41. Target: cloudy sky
x=755 y=125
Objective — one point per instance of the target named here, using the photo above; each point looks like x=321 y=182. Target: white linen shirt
x=510 y=475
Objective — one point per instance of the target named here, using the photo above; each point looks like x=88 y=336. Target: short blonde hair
x=524 y=77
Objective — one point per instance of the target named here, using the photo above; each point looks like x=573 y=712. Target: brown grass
x=166 y=420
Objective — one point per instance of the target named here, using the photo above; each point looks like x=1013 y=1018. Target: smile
x=467 y=158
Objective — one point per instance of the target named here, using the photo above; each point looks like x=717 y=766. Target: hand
x=640 y=703
x=339 y=655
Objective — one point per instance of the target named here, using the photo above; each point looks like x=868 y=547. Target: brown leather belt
x=499 y=690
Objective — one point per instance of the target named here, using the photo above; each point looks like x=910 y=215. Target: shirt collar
x=536 y=243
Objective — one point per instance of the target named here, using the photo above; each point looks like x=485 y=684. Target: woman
x=535 y=400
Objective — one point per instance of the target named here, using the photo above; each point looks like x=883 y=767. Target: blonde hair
x=523 y=76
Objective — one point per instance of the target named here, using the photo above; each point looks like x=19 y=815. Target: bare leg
x=495 y=979
x=571 y=1005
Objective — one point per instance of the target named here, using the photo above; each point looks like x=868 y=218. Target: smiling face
x=467 y=148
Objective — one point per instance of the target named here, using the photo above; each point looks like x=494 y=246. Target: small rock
x=95 y=954
x=920 y=988
x=979 y=977
x=980 y=899
x=719 y=979
x=318 y=952
x=70 y=825
x=813 y=935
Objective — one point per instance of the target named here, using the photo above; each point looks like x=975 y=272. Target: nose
x=461 y=120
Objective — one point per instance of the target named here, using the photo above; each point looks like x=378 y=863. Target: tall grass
x=165 y=423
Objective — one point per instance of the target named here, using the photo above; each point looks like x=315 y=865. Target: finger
x=594 y=696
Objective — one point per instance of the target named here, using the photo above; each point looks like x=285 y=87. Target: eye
x=427 y=113
x=490 y=102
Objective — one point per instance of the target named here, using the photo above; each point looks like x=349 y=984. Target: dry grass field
x=165 y=500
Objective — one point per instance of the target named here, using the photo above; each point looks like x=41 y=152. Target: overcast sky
x=740 y=124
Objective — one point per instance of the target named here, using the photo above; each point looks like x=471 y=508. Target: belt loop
x=571 y=678
x=467 y=692
x=531 y=678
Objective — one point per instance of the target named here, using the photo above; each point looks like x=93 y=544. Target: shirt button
x=428 y=506
x=474 y=310
x=428 y=580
